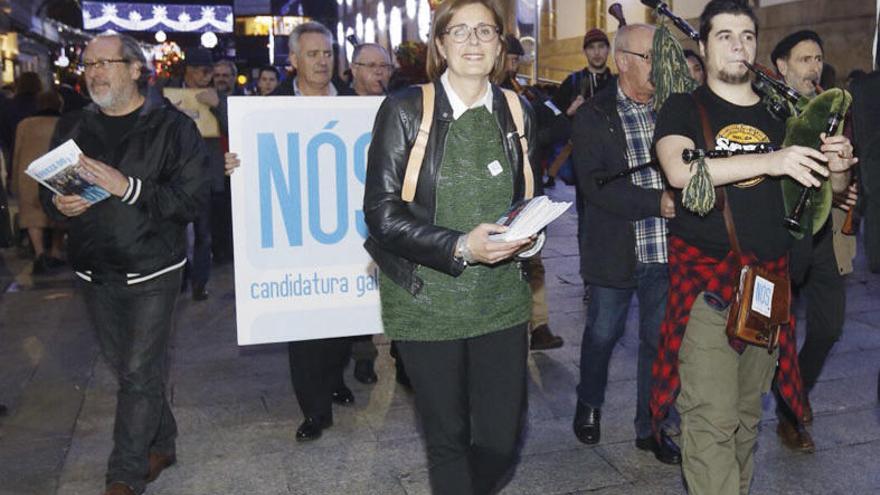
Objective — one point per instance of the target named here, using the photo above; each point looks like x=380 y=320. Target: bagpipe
x=805 y=120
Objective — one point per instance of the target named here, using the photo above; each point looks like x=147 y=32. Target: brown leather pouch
x=759 y=308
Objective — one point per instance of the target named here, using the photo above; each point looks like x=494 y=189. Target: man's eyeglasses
x=102 y=64
x=460 y=33
x=644 y=56
x=371 y=66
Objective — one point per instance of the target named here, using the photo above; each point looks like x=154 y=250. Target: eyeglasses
x=102 y=64
x=372 y=66
x=461 y=33
x=644 y=56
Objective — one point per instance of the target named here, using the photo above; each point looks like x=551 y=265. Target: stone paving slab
x=237 y=415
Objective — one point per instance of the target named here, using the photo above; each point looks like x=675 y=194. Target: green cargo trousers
x=719 y=404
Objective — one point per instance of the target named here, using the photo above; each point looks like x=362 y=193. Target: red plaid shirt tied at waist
x=692 y=272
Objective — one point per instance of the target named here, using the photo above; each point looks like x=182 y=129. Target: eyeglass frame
x=384 y=67
x=103 y=64
x=472 y=31
x=644 y=56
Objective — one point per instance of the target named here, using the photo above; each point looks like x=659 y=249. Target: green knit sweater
x=483 y=299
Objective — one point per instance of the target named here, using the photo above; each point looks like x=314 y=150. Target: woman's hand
x=490 y=252
x=230 y=162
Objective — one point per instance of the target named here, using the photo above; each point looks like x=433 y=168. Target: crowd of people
x=463 y=311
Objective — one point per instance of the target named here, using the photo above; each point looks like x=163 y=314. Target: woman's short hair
x=49 y=100
x=28 y=84
x=442 y=16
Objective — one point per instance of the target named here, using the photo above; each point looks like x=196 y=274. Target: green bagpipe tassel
x=804 y=130
x=698 y=195
x=669 y=68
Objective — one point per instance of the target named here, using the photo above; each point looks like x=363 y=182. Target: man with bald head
x=128 y=250
x=623 y=249
x=371 y=69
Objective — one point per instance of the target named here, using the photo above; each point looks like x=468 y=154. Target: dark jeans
x=316 y=368
x=470 y=395
x=606 y=322
x=133 y=326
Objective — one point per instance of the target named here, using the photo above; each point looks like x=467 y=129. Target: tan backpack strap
x=516 y=111
x=417 y=153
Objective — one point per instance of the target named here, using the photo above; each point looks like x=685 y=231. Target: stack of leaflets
x=59 y=171
x=528 y=217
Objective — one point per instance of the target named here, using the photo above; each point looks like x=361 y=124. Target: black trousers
x=316 y=368
x=470 y=395
x=133 y=325
x=363 y=348
x=825 y=293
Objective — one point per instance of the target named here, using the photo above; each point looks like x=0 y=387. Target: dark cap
x=783 y=48
x=514 y=47
x=198 y=57
x=595 y=34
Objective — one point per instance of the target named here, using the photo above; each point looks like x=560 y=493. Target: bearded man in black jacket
x=129 y=248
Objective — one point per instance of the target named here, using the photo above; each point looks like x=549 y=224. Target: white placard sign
x=298 y=227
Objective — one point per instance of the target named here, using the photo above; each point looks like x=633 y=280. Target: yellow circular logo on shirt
x=737 y=137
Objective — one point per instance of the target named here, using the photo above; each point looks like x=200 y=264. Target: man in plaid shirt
x=624 y=241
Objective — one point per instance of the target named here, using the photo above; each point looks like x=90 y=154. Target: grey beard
x=103 y=102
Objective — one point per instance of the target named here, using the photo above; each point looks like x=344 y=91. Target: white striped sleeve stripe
x=128 y=190
x=136 y=191
x=137 y=280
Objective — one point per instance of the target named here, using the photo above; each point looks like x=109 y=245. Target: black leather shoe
x=3 y=410
x=665 y=450
x=542 y=339
x=311 y=429
x=586 y=423
x=364 y=371
x=343 y=396
x=200 y=293
x=550 y=182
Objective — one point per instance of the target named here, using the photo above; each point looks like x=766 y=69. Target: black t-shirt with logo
x=756 y=203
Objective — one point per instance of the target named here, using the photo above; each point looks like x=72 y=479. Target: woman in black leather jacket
x=455 y=303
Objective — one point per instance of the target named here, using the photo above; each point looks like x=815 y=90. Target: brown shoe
x=543 y=339
x=795 y=437
x=808 y=413
x=158 y=462
x=118 y=488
